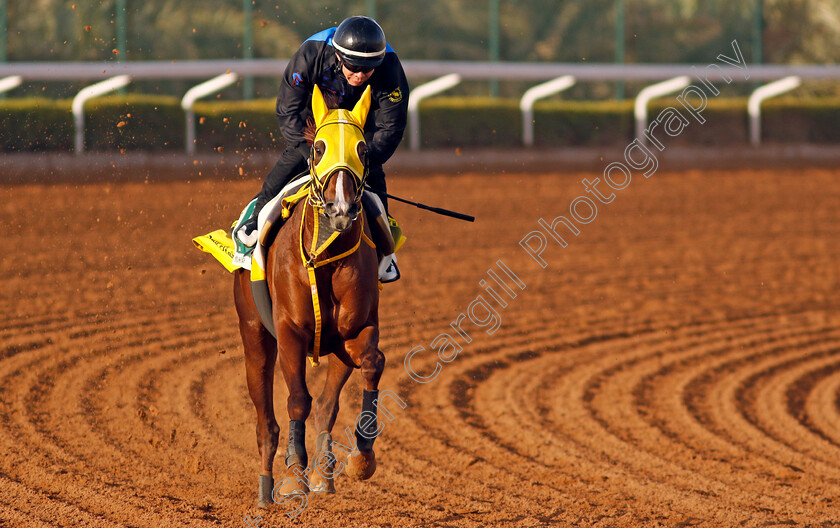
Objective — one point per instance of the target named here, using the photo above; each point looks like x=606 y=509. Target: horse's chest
x=352 y=304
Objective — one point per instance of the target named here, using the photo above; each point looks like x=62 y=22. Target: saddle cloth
x=230 y=251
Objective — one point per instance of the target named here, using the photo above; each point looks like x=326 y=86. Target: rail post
x=423 y=91
x=652 y=92
x=197 y=92
x=89 y=92
x=532 y=95
x=765 y=92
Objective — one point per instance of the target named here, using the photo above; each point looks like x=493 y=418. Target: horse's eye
x=319 y=147
x=362 y=151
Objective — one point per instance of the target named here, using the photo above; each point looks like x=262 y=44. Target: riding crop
x=438 y=210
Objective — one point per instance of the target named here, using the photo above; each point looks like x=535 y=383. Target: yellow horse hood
x=338 y=136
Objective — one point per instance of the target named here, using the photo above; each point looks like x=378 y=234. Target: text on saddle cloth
x=220 y=246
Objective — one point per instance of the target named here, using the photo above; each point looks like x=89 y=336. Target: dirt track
x=678 y=364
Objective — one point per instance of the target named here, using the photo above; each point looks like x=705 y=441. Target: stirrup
x=388 y=270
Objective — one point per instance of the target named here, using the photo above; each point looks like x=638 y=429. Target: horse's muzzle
x=341 y=220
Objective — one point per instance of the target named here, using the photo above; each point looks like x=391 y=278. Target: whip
x=438 y=210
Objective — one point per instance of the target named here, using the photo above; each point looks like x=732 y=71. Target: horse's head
x=338 y=163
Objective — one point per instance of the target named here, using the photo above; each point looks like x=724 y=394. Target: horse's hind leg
x=365 y=352
x=260 y=356
x=326 y=409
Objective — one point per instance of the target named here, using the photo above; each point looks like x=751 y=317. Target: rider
x=342 y=61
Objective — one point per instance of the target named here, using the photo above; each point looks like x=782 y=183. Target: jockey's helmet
x=360 y=42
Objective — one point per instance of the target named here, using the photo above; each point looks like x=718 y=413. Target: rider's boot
x=388 y=270
x=247 y=232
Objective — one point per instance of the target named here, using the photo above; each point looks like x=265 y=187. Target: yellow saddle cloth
x=220 y=245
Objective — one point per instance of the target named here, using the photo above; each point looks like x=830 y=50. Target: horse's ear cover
x=360 y=111
x=319 y=107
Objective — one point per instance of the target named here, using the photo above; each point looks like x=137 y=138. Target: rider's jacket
x=315 y=62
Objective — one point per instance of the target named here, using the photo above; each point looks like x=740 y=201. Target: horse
x=324 y=297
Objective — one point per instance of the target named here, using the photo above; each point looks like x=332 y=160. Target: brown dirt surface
x=678 y=364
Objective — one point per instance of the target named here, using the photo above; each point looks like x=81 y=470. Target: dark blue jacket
x=315 y=62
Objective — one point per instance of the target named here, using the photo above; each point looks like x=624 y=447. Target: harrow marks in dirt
x=677 y=365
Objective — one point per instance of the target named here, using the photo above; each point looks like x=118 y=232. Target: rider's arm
x=392 y=114
x=294 y=98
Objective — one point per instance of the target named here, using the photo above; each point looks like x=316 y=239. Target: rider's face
x=355 y=78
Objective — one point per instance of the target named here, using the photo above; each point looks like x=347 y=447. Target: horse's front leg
x=292 y=361
x=364 y=350
x=326 y=410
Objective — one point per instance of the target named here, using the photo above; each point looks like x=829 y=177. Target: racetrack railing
x=14 y=73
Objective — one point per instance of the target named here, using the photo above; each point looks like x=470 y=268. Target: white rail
x=197 y=92
x=89 y=92
x=532 y=95
x=765 y=92
x=652 y=92
x=441 y=84
x=10 y=83
x=520 y=71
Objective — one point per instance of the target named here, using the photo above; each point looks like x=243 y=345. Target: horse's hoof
x=361 y=466
x=264 y=496
x=293 y=483
x=323 y=466
x=321 y=484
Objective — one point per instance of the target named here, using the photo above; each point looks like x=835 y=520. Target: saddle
x=382 y=226
x=233 y=255
x=385 y=231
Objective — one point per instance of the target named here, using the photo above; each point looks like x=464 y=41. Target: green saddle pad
x=242 y=253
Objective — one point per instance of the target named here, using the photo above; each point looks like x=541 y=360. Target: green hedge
x=581 y=123
x=237 y=125
x=141 y=122
x=803 y=121
x=35 y=124
x=726 y=123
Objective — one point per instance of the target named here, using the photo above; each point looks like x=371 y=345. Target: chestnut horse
x=338 y=314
